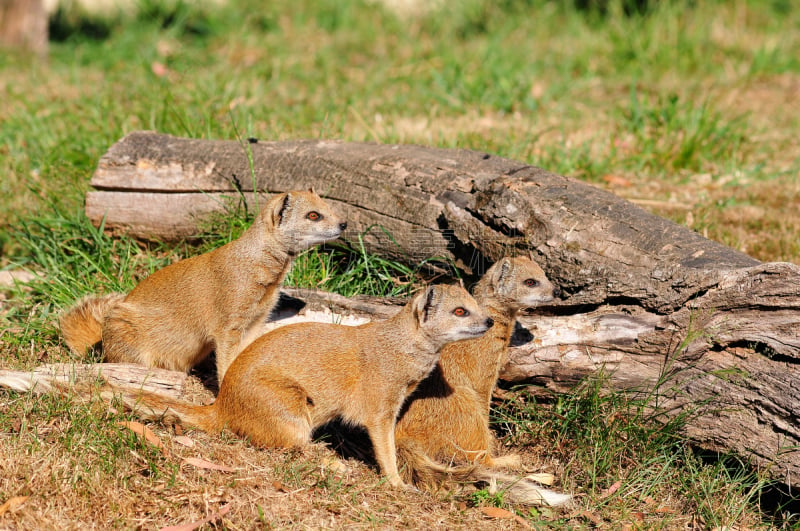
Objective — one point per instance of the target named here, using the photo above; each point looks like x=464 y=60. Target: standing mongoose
x=175 y=317
x=446 y=419
x=298 y=377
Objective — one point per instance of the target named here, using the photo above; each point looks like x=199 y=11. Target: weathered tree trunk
x=23 y=23
x=121 y=375
x=650 y=301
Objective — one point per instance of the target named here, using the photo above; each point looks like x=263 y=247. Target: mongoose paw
x=408 y=487
x=336 y=466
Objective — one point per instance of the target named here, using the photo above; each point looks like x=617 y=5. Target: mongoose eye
x=531 y=283
x=460 y=312
x=314 y=216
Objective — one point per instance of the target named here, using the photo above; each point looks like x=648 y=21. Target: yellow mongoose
x=300 y=376
x=447 y=418
x=175 y=317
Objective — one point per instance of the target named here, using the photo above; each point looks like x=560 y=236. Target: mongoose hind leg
x=132 y=334
x=274 y=411
x=120 y=337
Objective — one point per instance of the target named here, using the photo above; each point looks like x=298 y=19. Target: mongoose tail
x=421 y=470
x=155 y=407
x=82 y=325
x=147 y=405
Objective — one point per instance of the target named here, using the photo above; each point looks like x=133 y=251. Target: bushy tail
x=423 y=471
x=82 y=325
x=522 y=491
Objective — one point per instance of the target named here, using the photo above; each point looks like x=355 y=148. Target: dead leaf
x=596 y=520
x=184 y=440
x=12 y=504
x=195 y=525
x=542 y=478
x=202 y=463
x=280 y=487
x=497 y=512
x=143 y=431
x=611 y=490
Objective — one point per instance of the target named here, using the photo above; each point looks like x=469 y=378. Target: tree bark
x=42 y=379
x=655 y=305
x=23 y=23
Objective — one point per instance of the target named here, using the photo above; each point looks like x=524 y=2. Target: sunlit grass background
x=687 y=108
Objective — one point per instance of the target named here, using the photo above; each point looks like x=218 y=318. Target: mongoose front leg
x=227 y=348
x=382 y=435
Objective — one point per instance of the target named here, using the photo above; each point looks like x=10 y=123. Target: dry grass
x=758 y=216
x=82 y=470
x=560 y=90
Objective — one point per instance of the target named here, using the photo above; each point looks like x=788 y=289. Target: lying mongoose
x=301 y=376
x=175 y=317
x=447 y=418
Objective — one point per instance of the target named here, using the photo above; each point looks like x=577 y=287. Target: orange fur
x=447 y=417
x=298 y=377
x=175 y=317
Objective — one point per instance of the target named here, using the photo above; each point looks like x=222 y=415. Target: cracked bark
x=647 y=300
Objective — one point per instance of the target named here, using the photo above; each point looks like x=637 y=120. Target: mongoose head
x=449 y=313
x=302 y=219
x=513 y=283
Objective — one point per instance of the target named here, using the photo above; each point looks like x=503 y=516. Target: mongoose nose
x=556 y=292
x=343 y=225
x=489 y=322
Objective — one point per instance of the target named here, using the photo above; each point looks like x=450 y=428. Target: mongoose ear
x=311 y=189
x=279 y=209
x=424 y=304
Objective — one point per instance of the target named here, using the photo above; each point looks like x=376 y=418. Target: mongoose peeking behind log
x=446 y=419
x=298 y=377
x=174 y=318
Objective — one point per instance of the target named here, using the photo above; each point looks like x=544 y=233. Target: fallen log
x=652 y=303
x=23 y=24
x=122 y=375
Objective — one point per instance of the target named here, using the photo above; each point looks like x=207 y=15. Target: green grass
x=687 y=101
x=629 y=466
x=332 y=267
